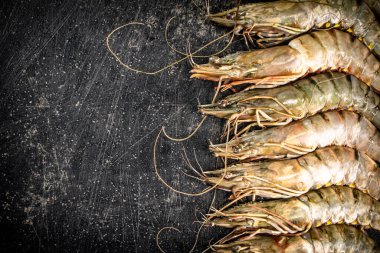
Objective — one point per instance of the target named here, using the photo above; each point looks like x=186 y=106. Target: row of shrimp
x=301 y=127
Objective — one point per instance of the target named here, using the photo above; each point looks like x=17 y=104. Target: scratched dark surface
x=77 y=128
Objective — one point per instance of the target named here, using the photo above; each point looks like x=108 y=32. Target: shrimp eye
x=249 y=22
x=236 y=149
x=214 y=60
x=229 y=175
x=230 y=16
x=223 y=103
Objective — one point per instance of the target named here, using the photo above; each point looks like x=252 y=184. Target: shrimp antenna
x=129 y=67
x=196 y=211
x=191 y=176
x=169 y=186
x=222 y=78
x=208 y=189
x=199 y=165
x=208 y=8
x=212 y=203
x=158 y=236
x=192 y=1
x=188 y=52
x=202 y=223
x=237 y=11
x=229 y=204
x=187 y=137
x=191 y=60
x=171 y=46
x=189 y=163
x=197 y=237
x=176 y=229
x=211 y=247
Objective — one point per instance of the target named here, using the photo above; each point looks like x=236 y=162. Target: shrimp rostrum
x=325 y=239
x=333 y=165
x=309 y=53
x=331 y=205
x=305 y=97
x=271 y=23
x=341 y=128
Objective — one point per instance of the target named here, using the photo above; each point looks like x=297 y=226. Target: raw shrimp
x=342 y=128
x=325 y=239
x=331 y=205
x=310 y=53
x=305 y=97
x=333 y=165
x=271 y=23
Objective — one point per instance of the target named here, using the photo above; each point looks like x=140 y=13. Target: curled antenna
x=158 y=236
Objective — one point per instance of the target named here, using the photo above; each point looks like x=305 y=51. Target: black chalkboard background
x=77 y=128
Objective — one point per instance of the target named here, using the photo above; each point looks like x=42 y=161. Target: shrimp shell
x=305 y=97
x=310 y=53
x=333 y=165
x=332 y=205
x=271 y=23
x=341 y=128
x=325 y=239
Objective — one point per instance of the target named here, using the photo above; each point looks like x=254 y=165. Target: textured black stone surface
x=77 y=128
